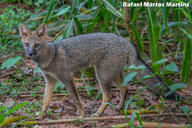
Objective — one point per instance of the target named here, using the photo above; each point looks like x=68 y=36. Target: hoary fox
x=106 y=52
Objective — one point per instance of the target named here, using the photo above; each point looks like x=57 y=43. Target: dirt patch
x=63 y=108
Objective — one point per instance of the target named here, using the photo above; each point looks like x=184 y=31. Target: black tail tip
x=175 y=96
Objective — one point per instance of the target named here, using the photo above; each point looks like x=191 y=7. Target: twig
x=79 y=89
x=96 y=119
x=64 y=94
x=7 y=73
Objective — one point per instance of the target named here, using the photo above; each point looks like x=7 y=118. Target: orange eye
x=27 y=44
x=37 y=45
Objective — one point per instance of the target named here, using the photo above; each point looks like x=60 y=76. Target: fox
x=106 y=52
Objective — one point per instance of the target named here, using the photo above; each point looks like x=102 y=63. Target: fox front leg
x=48 y=92
x=68 y=82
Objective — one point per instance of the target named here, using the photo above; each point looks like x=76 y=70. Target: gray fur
x=107 y=52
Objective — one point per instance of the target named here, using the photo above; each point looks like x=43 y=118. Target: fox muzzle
x=30 y=52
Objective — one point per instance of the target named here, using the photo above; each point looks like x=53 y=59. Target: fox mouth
x=32 y=56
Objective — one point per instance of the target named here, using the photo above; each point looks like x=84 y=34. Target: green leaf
x=160 y=62
x=132 y=67
x=2 y=118
x=85 y=16
x=36 y=70
x=63 y=11
x=69 y=29
x=15 y=108
x=139 y=119
x=174 y=87
x=186 y=62
x=58 y=86
x=90 y=91
x=10 y=62
x=132 y=119
x=2 y=108
x=112 y=105
x=154 y=33
x=146 y=77
x=139 y=40
x=165 y=13
x=188 y=16
x=188 y=34
x=172 y=67
x=52 y=2
x=82 y=4
x=141 y=67
x=37 y=16
x=128 y=78
x=170 y=24
x=186 y=110
x=78 y=27
x=112 y=9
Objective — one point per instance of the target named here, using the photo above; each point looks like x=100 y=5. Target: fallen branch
x=96 y=119
x=7 y=73
x=79 y=89
x=63 y=94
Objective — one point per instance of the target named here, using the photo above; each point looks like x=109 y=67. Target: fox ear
x=41 y=31
x=24 y=31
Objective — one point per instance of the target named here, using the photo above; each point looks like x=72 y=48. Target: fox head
x=34 y=41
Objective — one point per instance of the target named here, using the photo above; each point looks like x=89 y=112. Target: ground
x=62 y=106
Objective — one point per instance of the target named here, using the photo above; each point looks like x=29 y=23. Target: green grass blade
x=49 y=11
x=69 y=29
x=63 y=11
x=139 y=40
x=112 y=9
x=154 y=33
x=128 y=78
x=170 y=24
x=132 y=120
x=186 y=62
x=10 y=62
x=165 y=13
x=78 y=26
x=16 y=108
x=139 y=119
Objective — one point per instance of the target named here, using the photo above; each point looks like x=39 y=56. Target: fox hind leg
x=123 y=89
x=104 y=78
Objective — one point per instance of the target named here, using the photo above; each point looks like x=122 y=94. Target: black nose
x=30 y=54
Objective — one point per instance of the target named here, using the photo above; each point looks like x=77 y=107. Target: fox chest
x=48 y=73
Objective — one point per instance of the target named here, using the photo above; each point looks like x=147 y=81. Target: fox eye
x=27 y=44
x=37 y=45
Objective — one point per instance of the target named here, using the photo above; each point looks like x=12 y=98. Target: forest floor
x=62 y=107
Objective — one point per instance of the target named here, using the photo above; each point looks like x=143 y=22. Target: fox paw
x=95 y=115
x=81 y=113
x=41 y=115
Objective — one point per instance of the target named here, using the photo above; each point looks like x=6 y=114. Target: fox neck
x=45 y=55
